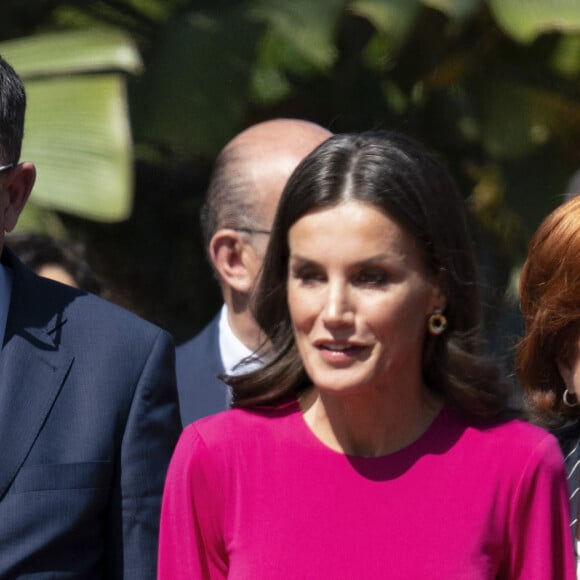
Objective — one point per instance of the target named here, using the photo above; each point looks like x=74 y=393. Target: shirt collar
x=232 y=349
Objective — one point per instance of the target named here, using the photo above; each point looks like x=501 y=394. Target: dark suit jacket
x=88 y=421
x=198 y=364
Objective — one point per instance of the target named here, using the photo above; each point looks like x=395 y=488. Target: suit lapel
x=33 y=368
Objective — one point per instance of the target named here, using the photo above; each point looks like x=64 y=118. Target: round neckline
x=418 y=443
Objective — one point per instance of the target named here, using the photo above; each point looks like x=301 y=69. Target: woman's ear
x=17 y=184
x=439 y=301
x=567 y=373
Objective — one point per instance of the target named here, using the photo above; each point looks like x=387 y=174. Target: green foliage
x=566 y=57
x=87 y=172
x=459 y=9
x=77 y=129
x=304 y=28
x=524 y=21
x=73 y=52
x=194 y=91
x=491 y=84
x=392 y=20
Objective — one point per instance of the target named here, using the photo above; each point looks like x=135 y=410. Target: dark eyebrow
x=370 y=260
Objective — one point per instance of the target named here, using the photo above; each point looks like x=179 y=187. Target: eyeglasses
x=252 y=231
x=7 y=167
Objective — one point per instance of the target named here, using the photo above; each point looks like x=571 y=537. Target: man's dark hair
x=229 y=202
x=12 y=109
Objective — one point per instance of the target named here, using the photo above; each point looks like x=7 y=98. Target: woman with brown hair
x=548 y=357
x=376 y=441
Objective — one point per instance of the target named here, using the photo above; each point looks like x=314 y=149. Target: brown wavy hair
x=550 y=304
x=404 y=180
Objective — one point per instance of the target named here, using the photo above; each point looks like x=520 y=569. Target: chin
x=341 y=387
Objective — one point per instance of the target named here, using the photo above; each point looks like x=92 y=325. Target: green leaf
x=459 y=9
x=566 y=57
x=393 y=20
x=305 y=25
x=77 y=130
x=524 y=20
x=35 y=218
x=517 y=118
x=193 y=95
x=269 y=85
x=77 y=135
x=79 y=51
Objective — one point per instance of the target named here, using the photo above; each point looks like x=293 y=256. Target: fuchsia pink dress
x=255 y=495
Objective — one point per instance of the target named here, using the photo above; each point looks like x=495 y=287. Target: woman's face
x=359 y=298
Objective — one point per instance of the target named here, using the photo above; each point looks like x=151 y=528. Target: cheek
x=404 y=322
x=302 y=309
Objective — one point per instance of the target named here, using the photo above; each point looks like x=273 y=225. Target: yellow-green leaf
x=459 y=9
x=524 y=20
x=392 y=18
x=566 y=57
x=78 y=51
x=78 y=137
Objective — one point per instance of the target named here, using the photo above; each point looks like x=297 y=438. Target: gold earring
x=566 y=398
x=437 y=322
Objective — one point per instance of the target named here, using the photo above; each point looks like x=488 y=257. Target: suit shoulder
x=113 y=312
x=83 y=309
x=200 y=354
x=209 y=334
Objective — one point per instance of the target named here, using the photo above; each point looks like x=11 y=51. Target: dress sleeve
x=539 y=528
x=191 y=543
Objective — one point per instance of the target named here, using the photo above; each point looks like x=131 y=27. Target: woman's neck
x=369 y=426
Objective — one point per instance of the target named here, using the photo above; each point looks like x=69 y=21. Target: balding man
x=248 y=178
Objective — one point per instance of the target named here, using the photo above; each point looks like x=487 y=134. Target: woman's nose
x=338 y=308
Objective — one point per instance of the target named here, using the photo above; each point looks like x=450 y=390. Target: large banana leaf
x=77 y=130
x=524 y=20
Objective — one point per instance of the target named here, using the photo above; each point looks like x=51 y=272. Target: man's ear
x=228 y=253
x=17 y=183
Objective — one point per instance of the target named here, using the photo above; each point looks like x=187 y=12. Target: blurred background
x=131 y=100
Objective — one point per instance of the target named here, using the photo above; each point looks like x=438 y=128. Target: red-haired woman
x=548 y=358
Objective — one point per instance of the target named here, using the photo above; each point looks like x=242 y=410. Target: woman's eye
x=371 y=277
x=308 y=275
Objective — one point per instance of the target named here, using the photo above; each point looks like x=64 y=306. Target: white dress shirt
x=232 y=350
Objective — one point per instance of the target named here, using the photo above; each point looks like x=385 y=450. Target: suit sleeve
x=151 y=432
x=541 y=543
x=192 y=538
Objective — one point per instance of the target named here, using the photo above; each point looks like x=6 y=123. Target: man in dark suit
x=88 y=410
x=245 y=187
